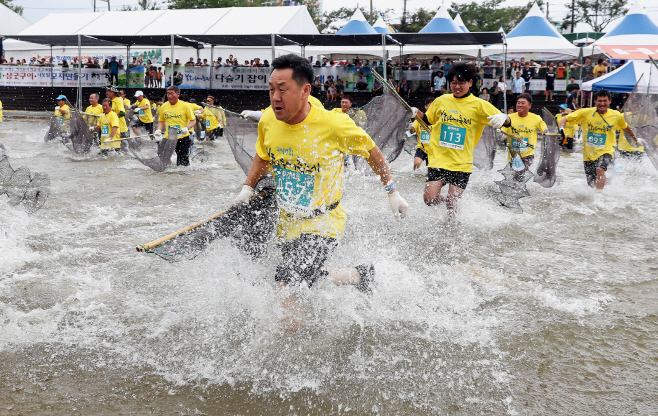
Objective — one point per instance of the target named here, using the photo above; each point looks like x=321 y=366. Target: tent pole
x=52 y=84
x=79 y=71
x=303 y=51
x=127 y=66
x=212 y=63
x=273 y=47
x=504 y=74
x=171 y=75
x=384 y=56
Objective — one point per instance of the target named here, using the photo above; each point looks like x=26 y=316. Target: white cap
x=138 y=94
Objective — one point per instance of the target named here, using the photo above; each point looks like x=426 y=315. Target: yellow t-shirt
x=623 y=144
x=307 y=160
x=117 y=107
x=0 y=111
x=457 y=125
x=91 y=120
x=314 y=102
x=598 y=131
x=177 y=115
x=211 y=118
x=65 y=108
x=126 y=102
x=422 y=136
x=359 y=116
x=569 y=128
x=525 y=129
x=106 y=122
x=194 y=106
x=145 y=116
x=598 y=68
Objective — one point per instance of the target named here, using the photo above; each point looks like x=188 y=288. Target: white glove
x=244 y=195
x=640 y=142
x=414 y=112
x=411 y=126
x=199 y=111
x=398 y=205
x=158 y=132
x=246 y=114
x=497 y=120
x=184 y=130
x=57 y=108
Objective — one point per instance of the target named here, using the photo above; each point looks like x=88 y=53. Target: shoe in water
x=367 y=274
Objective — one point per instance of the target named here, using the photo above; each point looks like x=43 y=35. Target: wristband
x=390 y=187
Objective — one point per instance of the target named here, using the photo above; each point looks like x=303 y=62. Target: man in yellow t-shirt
x=62 y=110
x=625 y=149
x=94 y=110
x=457 y=121
x=422 y=137
x=108 y=125
x=142 y=107
x=359 y=116
x=118 y=106
x=213 y=119
x=177 y=113
x=599 y=126
x=0 y=111
x=522 y=134
x=304 y=148
x=256 y=115
x=569 y=128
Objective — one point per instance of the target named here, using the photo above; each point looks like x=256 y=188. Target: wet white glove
x=246 y=114
x=411 y=126
x=184 y=130
x=57 y=108
x=640 y=142
x=398 y=205
x=414 y=112
x=497 y=120
x=199 y=111
x=158 y=132
x=244 y=195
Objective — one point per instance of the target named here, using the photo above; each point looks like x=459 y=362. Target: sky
x=34 y=10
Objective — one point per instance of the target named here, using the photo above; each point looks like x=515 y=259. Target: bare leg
x=599 y=183
x=345 y=276
x=454 y=193
x=432 y=193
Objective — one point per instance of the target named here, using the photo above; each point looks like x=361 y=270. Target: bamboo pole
x=406 y=105
x=128 y=138
x=142 y=248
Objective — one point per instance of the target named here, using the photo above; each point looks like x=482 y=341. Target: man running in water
x=599 y=126
x=119 y=108
x=457 y=121
x=177 y=113
x=522 y=135
x=304 y=147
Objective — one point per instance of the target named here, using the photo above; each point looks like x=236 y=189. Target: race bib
x=60 y=121
x=520 y=145
x=596 y=140
x=105 y=131
x=207 y=124
x=294 y=188
x=452 y=137
x=517 y=163
x=141 y=112
x=202 y=134
x=177 y=126
x=424 y=137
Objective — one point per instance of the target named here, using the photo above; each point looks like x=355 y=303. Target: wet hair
x=461 y=72
x=525 y=96
x=185 y=97
x=348 y=97
x=429 y=100
x=603 y=93
x=107 y=100
x=302 y=71
x=174 y=89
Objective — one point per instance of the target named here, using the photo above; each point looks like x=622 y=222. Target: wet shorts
x=590 y=167
x=303 y=259
x=421 y=154
x=147 y=126
x=458 y=179
x=635 y=156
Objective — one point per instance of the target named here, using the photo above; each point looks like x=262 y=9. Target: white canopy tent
x=11 y=22
x=380 y=26
x=534 y=38
x=460 y=23
x=634 y=37
x=225 y=21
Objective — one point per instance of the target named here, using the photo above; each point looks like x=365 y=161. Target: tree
x=416 y=21
x=596 y=13
x=488 y=16
x=331 y=22
x=141 y=5
x=16 y=9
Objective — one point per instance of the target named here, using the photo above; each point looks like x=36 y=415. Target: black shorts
x=147 y=126
x=458 y=179
x=303 y=259
x=421 y=154
x=636 y=156
x=590 y=166
x=550 y=87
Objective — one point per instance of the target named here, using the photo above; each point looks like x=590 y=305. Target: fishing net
x=485 y=151
x=241 y=134
x=249 y=226
x=641 y=113
x=550 y=152
x=512 y=188
x=30 y=192
x=385 y=120
x=58 y=128
x=156 y=157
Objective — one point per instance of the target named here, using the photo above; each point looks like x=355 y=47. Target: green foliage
x=8 y=3
x=488 y=15
x=596 y=13
x=416 y=21
x=331 y=22
x=141 y=5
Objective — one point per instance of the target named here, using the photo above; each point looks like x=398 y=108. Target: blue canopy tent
x=442 y=23
x=634 y=37
x=624 y=79
x=358 y=25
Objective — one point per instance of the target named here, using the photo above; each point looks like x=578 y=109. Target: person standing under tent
x=214 y=120
x=569 y=131
x=304 y=147
x=422 y=137
x=114 y=70
x=0 y=111
x=502 y=93
x=524 y=128
x=439 y=82
x=118 y=107
x=550 y=84
x=159 y=77
x=528 y=74
x=599 y=125
x=572 y=98
x=518 y=86
x=108 y=126
x=143 y=108
x=457 y=120
x=178 y=114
